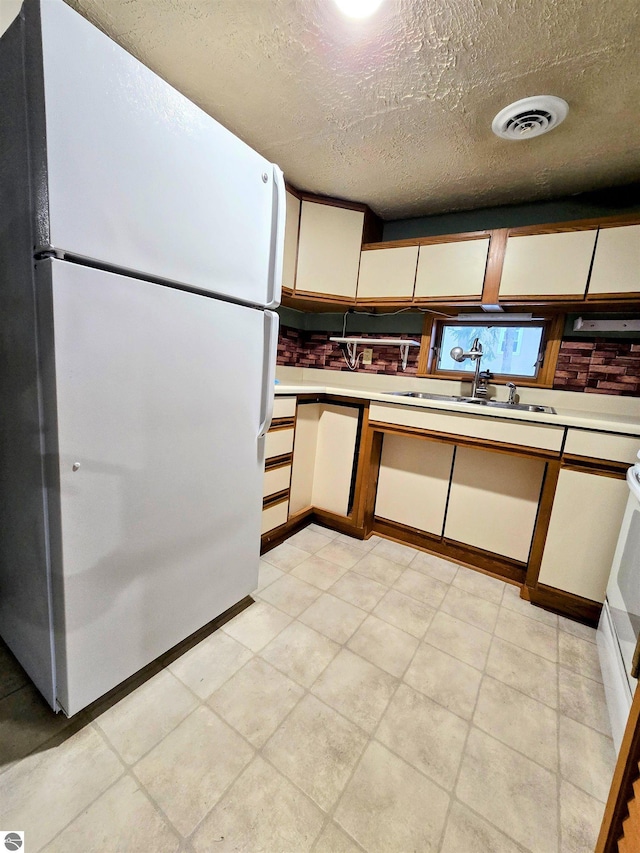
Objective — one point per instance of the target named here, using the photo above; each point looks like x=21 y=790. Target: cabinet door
x=335 y=454
x=553 y=265
x=414 y=482
x=616 y=265
x=583 y=531
x=493 y=501
x=387 y=273
x=291 y=229
x=448 y=270
x=304 y=457
x=329 y=250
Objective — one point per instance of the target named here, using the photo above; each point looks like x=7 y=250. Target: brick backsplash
x=596 y=366
x=599 y=367
x=298 y=348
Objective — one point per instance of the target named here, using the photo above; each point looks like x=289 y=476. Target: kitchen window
x=526 y=351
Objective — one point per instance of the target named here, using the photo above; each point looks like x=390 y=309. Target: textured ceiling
x=396 y=111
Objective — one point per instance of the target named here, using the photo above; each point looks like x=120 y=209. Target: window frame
x=552 y=326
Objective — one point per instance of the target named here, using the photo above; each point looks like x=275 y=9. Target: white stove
x=619 y=626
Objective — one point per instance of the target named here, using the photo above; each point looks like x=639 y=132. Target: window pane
x=511 y=350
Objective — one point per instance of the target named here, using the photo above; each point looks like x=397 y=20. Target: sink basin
x=475 y=401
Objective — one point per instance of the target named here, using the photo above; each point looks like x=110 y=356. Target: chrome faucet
x=512 y=393
x=482 y=382
x=478 y=386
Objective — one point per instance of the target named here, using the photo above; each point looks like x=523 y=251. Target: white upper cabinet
x=552 y=265
x=616 y=265
x=329 y=250
x=450 y=270
x=387 y=273
x=291 y=242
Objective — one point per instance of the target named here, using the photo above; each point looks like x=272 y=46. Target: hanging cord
x=388 y=314
x=353 y=363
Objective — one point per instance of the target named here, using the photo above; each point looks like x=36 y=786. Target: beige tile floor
x=373 y=698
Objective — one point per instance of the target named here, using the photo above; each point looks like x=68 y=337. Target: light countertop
x=603 y=421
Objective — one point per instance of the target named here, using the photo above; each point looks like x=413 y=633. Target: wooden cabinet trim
x=278 y=461
x=465 y=441
x=613 y=836
x=565 y=603
x=282 y=423
x=493 y=272
x=324 y=297
x=545 y=506
x=575 y=225
x=601 y=467
x=432 y=333
x=487 y=563
x=276 y=498
x=331 y=202
x=428 y=241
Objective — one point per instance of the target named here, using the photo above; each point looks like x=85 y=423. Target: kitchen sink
x=475 y=401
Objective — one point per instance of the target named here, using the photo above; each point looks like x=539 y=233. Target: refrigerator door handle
x=279 y=209
x=271 y=325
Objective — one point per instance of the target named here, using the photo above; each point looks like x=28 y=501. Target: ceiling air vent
x=530 y=117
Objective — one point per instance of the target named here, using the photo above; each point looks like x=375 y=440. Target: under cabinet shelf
x=352 y=346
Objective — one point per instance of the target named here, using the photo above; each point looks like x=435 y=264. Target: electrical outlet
x=367 y=356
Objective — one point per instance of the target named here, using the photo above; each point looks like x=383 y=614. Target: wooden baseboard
x=277 y=536
x=137 y=679
x=341 y=523
x=466 y=555
x=565 y=603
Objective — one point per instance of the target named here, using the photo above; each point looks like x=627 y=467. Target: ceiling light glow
x=358 y=8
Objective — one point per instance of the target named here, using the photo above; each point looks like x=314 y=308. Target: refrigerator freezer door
x=160 y=469
x=139 y=178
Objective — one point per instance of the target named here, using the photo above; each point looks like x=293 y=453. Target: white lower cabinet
x=276 y=480
x=493 y=502
x=304 y=457
x=274 y=516
x=414 y=482
x=278 y=442
x=583 y=531
x=323 y=457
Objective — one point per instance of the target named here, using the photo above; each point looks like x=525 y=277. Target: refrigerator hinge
x=49 y=253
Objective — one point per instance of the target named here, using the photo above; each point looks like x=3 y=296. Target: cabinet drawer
x=544 y=436
x=602 y=445
x=276 y=480
x=278 y=442
x=274 y=516
x=284 y=407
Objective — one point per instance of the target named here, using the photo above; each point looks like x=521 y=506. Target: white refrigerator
x=140 y=260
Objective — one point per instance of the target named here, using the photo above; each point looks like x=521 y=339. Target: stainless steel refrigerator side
x=25 y=613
